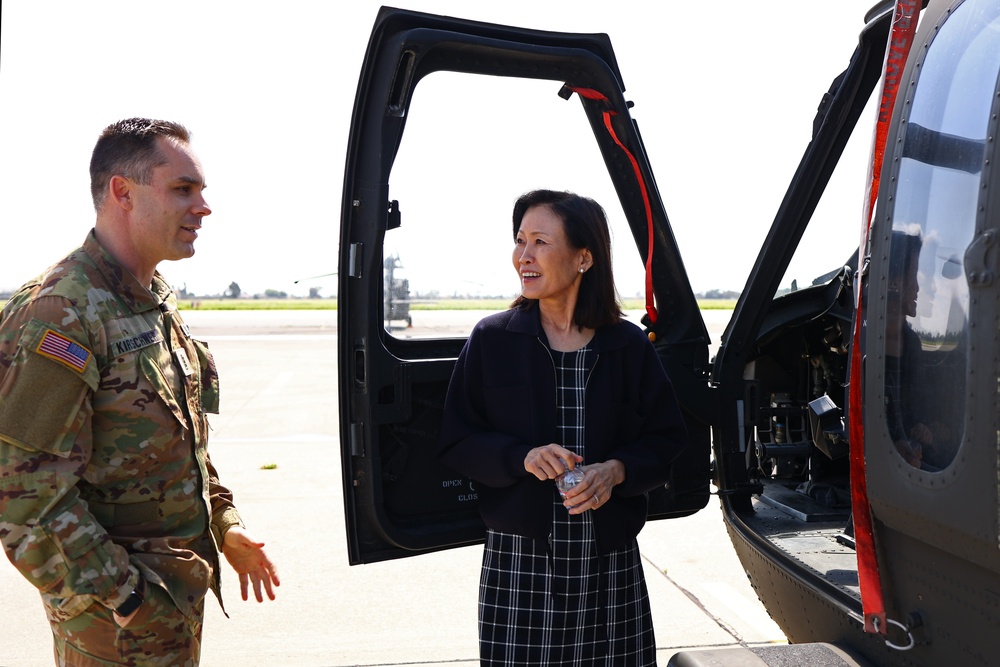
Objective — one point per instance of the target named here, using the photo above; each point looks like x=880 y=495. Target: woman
x=557 y=380
x=902 y=349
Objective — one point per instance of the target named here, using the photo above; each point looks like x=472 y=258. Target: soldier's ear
x=120 y=191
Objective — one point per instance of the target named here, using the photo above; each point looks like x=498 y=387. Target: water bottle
x=568 y=480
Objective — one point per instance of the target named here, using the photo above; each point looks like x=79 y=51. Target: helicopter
x=848 y=428
x=396 y=293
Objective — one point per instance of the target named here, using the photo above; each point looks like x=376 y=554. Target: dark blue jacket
x=501 y=403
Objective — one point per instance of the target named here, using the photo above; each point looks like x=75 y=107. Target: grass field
x=439 y=304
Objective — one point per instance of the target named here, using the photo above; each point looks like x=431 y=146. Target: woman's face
x=910 y=289
x=548 y=266
x=903 y=292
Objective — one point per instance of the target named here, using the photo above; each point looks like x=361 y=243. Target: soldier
x=109 y=502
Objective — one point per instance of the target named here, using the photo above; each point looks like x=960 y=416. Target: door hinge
x=354 y=256
x=357 y=439
x=980 y=263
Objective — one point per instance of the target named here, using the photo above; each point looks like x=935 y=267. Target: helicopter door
x=932 y=453
x=490 y=112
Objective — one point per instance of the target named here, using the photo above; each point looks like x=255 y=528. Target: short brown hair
x=128 y=148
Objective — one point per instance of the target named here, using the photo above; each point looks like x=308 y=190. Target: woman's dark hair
x=586 y=226
x=904 y=252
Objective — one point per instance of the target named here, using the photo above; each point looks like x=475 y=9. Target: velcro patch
x=59 y=348
x=133 y=343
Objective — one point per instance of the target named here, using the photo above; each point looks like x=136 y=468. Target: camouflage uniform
x=104 y=471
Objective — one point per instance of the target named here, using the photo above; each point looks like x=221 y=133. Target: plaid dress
x=561 y=603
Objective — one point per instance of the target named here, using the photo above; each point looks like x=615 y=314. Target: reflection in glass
x=934 y=222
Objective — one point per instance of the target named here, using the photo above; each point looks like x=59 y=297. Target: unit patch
x=57 y=347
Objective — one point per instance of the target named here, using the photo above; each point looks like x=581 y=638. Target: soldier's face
x=168 y=211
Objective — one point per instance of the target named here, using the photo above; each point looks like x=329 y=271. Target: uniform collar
x=134 y=294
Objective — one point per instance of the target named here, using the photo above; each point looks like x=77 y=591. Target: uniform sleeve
x=47 y=375
x=224 y=513
x=469 y=443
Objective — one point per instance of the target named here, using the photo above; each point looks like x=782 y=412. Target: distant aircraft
x=396 y=293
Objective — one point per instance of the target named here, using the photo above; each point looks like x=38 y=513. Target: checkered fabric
x=561 y=603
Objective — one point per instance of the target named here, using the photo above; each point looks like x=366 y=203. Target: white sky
x=725 y=94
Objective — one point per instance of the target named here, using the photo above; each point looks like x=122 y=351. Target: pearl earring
x=582 y=269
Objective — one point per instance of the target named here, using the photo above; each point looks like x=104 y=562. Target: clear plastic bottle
x=568 y=480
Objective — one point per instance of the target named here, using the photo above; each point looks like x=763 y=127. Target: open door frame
x=398 y=499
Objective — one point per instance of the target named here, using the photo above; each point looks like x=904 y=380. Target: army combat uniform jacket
x=104 y=471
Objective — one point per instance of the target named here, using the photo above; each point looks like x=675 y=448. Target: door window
x=831 y=240
x=933 y=220
x=463 y=161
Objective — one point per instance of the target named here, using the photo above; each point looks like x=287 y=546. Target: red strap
x=904 y=25
x=591 y=94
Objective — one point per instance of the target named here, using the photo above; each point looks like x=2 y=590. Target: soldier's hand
x=248 y=558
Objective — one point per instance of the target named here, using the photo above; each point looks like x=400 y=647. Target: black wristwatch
x=133 y=600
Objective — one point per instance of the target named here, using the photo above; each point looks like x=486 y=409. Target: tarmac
x=276 y=445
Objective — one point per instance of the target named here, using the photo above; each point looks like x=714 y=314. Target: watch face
x=133 y=601
x=130 y=605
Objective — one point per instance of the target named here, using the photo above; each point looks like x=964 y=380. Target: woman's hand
x=599 y=480
x=911 y=451
x=550 y=461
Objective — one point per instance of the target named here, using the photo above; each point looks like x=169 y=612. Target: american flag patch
x=58 y=347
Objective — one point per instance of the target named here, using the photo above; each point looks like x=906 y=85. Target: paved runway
x=276 y=445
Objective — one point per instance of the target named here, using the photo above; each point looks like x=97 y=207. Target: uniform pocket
x=150 y=368
x=209 y=378
x=159 y=633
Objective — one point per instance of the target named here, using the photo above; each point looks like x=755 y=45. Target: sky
x=724 y=92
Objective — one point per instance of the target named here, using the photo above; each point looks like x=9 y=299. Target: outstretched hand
x=248 y=558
